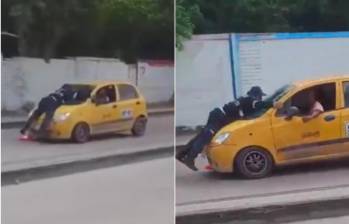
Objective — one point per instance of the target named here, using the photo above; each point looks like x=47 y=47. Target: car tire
x=81 y=133
x=139 y=126
x=254 y=163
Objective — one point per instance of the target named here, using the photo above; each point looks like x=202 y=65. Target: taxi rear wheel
x=253 y=163
x=81 y=133
x=139 y=126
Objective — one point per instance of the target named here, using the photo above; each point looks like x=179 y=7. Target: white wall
x=203 y=78
x=275 y=62
x=28 y=79
x=156 y=81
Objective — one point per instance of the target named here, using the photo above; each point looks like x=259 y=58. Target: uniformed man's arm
x=232 y=108
x=263 y=104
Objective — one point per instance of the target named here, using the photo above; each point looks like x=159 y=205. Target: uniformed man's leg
x=183 y=152
x=214 y=123
x=46 y=123
x=200 y=142
x=36 y=114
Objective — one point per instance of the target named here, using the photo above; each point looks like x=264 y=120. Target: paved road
x=20 y=155
x=136 y=193
x=333 y=220
x=203 y=186
x=325 y=212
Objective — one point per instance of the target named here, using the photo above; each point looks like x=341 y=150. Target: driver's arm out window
x=325 y=94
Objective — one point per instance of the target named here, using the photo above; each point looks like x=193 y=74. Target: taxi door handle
x=138 y=102
x=329 y=117
x=115 y=106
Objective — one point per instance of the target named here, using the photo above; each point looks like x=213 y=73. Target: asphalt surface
x=205 y=186
x=18 y=154
x=333 y=220
x=135 y=193
x=332 y=211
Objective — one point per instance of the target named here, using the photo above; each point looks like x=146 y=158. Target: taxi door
x=296 y=139
x=344 y=145
x=104 y=111
x=128 y=103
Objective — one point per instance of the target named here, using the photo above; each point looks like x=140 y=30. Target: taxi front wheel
x=253 y=163
x=81 y=133
x=139 y=126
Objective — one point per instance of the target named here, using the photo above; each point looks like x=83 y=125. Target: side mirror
x=291 y=112
x=278 y=105
x=94 y=100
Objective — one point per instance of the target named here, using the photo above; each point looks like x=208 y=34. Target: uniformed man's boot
x=181 y=155
x=189 y=163
x=184 y=152
x=23 y=131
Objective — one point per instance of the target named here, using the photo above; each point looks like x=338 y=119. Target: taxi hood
x=241 y=124
x=236 y=125
x=67 y=109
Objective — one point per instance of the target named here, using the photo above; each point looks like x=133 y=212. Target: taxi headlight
x=61 y=117
x=221 y=138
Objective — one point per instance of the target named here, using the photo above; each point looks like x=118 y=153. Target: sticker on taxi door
x=347 y=129
x=127 y=113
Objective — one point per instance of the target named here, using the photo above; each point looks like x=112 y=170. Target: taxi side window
x=325 y=95
x=106 y=94
x=127 y=92
x=346 y=93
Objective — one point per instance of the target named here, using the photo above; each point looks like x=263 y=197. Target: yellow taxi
x=98 y=108
x=277 y=135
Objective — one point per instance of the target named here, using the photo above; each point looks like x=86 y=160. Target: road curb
x=274 y=214
x=20 y=123
x=41 y=172
x=238 y=206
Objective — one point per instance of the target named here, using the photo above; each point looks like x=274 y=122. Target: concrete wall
x=156 y=80
x=273 y=60
x=26 y=80
x=203 y=78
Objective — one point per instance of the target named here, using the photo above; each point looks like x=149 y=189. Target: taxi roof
x=321 y=80
x=104 y=82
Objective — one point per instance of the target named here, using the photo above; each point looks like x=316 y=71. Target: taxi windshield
x=80 y=93
x=278 y=93
x=268 y=102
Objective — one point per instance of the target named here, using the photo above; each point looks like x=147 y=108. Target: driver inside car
x=102 y=97
x=315 y=107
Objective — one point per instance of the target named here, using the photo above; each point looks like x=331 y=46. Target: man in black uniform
x=48 y=106
x=242 y=107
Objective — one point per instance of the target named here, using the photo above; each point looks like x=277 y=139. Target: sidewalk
x=264 y=201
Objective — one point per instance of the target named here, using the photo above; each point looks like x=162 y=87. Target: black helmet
x=256 y=91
